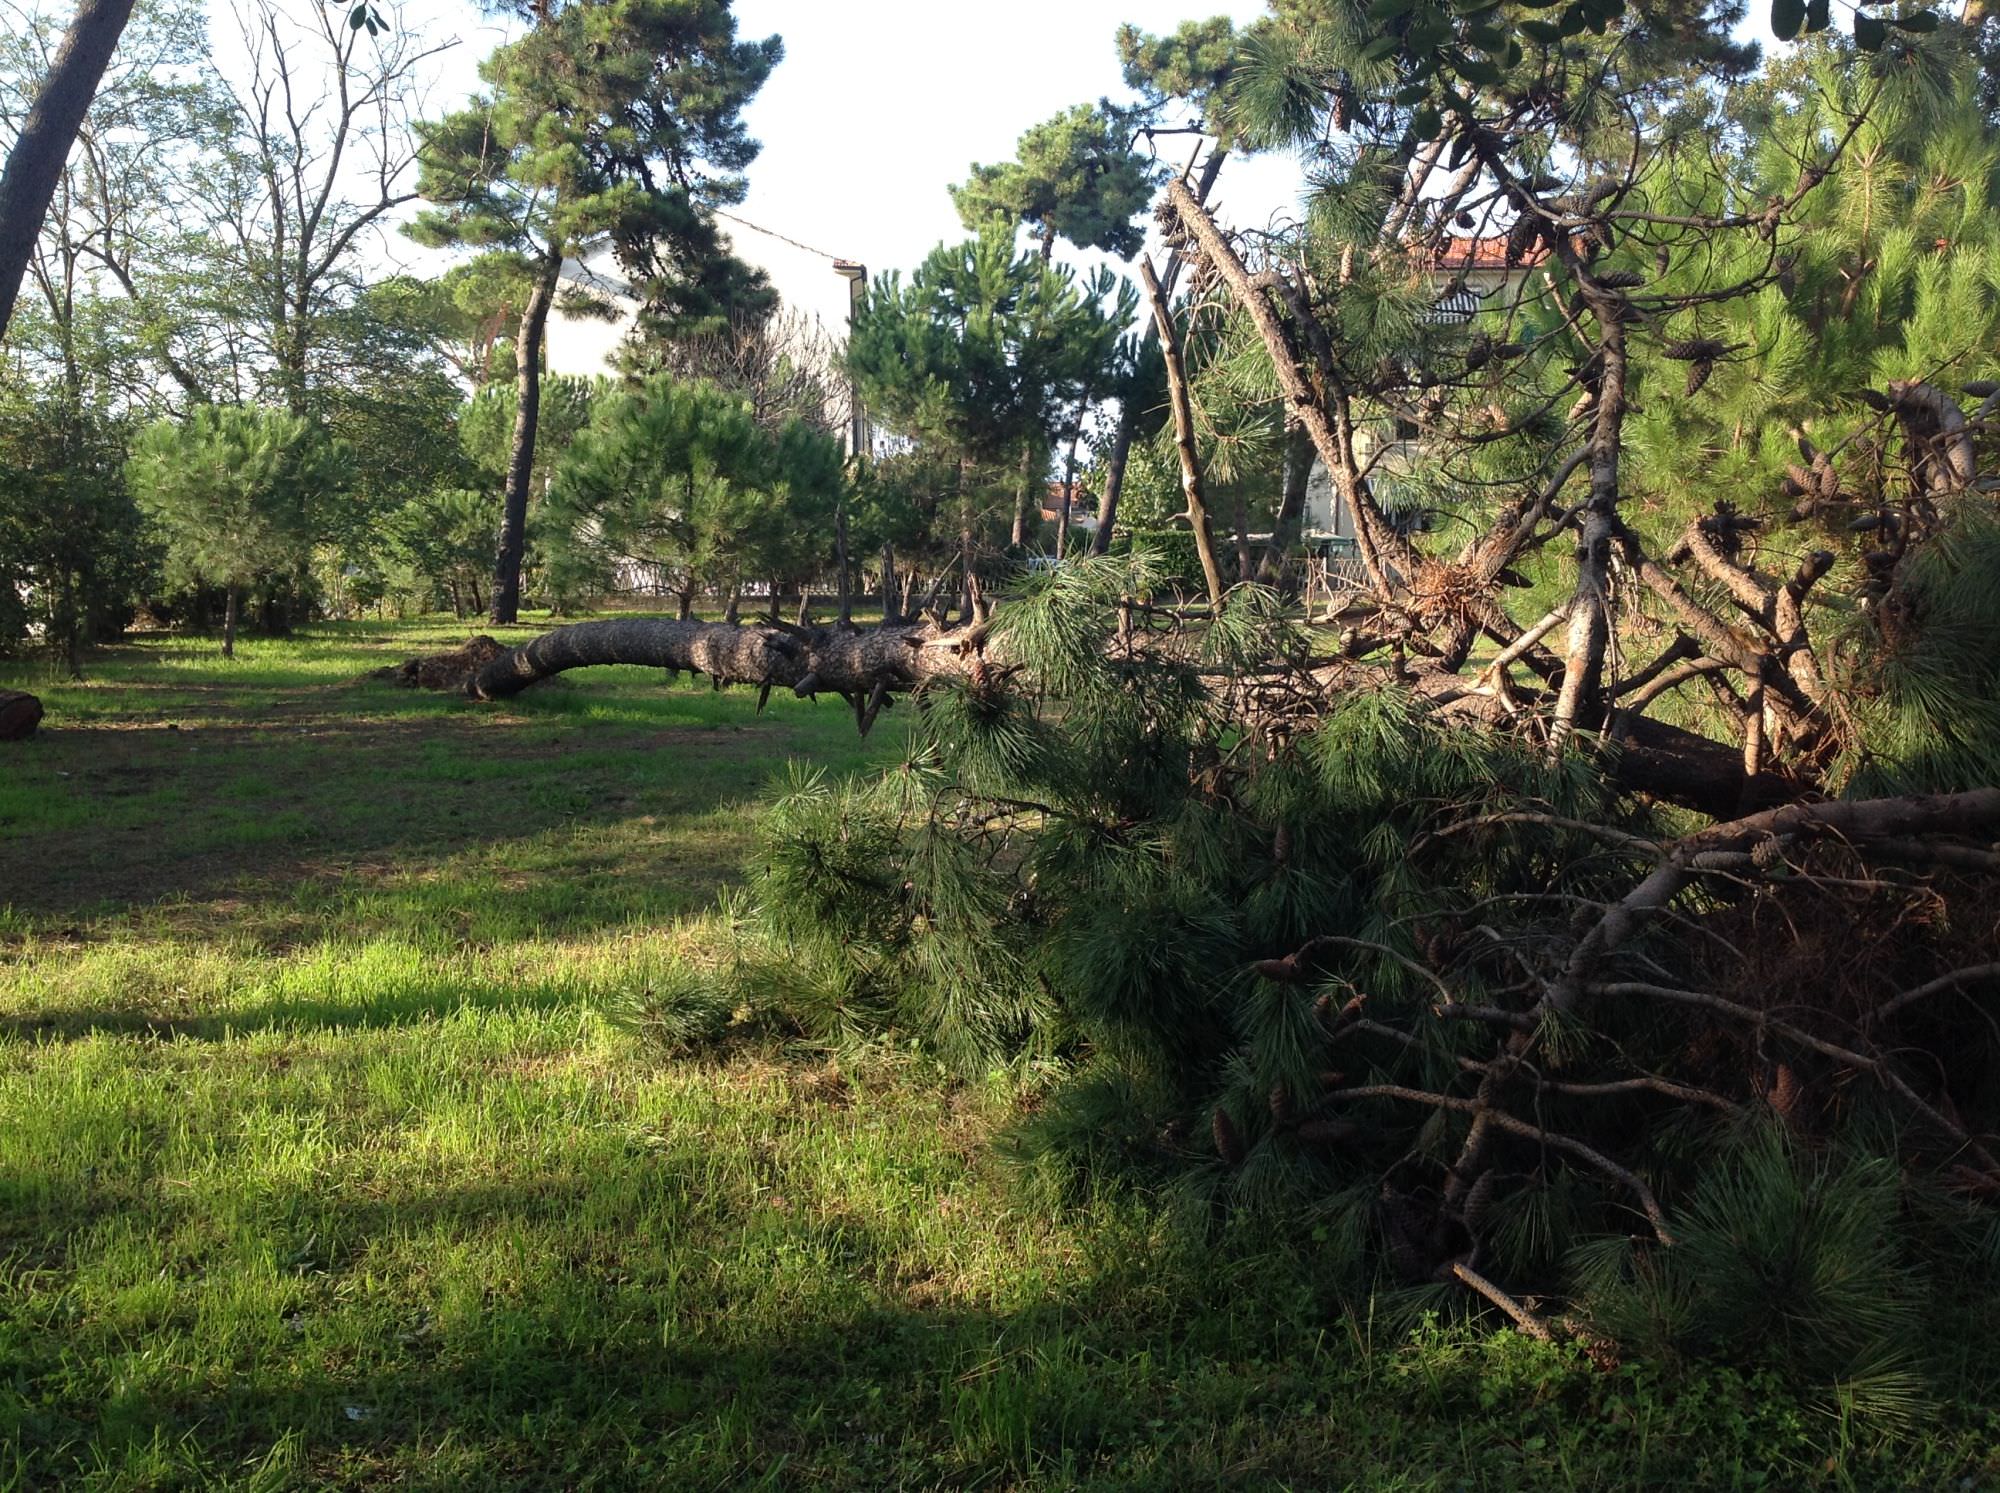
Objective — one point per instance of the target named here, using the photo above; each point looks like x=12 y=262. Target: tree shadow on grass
x=251 y=812
x=590 y=1375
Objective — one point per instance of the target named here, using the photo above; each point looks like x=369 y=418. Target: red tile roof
x=1482 y=254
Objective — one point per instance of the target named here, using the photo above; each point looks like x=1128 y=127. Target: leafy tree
x=236 y=495
x=72 y=558
x=114 y=301
x=440 y=542
x=612 y=123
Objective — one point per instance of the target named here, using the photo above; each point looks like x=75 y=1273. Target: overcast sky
x=880 y=105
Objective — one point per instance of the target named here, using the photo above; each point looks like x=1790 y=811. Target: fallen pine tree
x=1601 y=906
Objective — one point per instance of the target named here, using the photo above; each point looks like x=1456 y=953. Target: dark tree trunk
x=732 y=607
x=1114 y=480
x=229 y=625
x=684 y=602
x=889 y=608
x=1069 y=486
x=521 y=462
x=1026 y=509
x=1290 y=521
x=35 y=164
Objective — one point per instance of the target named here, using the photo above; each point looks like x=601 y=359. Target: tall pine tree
x=613 y=124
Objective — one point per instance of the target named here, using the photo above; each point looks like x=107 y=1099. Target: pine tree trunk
x=732 y=609
x=34 y=165
x=229 y=625
x=1183 y=410
x=684 y=602
x=888 y=582
x=521 y=461
x=840 y=553
x=1290 y=520
x=1114 y=480
x=1069 y=485
x=1018 y=540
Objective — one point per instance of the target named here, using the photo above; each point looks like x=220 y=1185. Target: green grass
x=320 y=1167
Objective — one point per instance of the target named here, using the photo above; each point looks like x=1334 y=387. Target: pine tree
x=236 y=494
x=987 y=355
x=680 y=476
x=612 y=124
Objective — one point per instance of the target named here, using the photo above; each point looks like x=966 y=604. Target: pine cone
x=1282 y=1109
x=1784 y=1094
x=1478 y=1200
x=1698 y=375
x=1228 y=1140
x=1278 y=971
x=1328 y=1132
x=1621 y=279
x=1695 y=350
x=1522 y=238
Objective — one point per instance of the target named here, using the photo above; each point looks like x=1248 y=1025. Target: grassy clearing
x=319 y=1166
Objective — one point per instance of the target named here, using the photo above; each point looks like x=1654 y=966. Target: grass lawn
x=321 y=1168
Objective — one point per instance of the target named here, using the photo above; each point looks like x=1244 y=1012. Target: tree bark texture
x=521 y=460
x=34 y=165
x=1114 y=480
x=1183 y=410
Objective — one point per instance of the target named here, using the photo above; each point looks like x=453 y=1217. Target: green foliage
x=486 y=426
x=1784 y=1261
x=681 y=476
x=1924 y=669
x=237 y=494
x=1075 y=177
x=981 y=350
x=72 y=555
x=610 y=123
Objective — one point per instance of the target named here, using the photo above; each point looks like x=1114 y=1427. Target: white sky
x=880 y=105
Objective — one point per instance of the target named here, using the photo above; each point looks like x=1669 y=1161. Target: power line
x=781 y=238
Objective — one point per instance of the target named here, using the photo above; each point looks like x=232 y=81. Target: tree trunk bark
x=1025 y=504
x=840 y=555
x=1114 y=480
x=889 y=608
x=521 y=462
x=684 y=603
x=229 y=625
x=1380 y=545
x=732 y=609
x=35 y=164
x=1128 y=418
x=1290 y=520
x=1177 y=393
